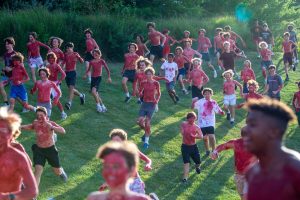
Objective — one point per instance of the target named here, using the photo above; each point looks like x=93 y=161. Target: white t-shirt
x=170 y=70
x=206 y=112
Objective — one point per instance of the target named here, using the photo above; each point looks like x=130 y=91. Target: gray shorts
x=46 y=105
x=147 y=109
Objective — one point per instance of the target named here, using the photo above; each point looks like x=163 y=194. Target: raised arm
x=57 y=128
x=27 y=127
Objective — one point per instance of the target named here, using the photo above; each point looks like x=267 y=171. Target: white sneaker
x=64 y=115
x=25 y=110
x=215 y=74
x=104 y=109
x=99 y=109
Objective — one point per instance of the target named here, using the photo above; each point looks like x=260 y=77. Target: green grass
x=87 y=130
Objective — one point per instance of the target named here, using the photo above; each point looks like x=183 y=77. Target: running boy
x=207 y=107
x=170 y=70
x=71 y=58
x=90 y=44
x=266 y=56
x=180 y=59
x=274 y=83
x=288 y=47
x=55 y=44
x=167 y=46
x=34 y=56
x=247 y=74
x=96 y=66
x=189 y=149
x=296 y=103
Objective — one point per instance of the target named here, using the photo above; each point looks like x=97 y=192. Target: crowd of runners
x=264 y=168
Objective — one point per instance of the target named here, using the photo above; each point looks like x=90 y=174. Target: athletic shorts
x=71 y=78
x=95 y=82
x=187 y=66
x=130 y=74
x=190 y=151
x=208 y=130
x=288 y=58
x=196 y=92
x=46 y=105
x=18 y=91
x=230 y=100
x=245 y=88
x=266 y=64
x=147 y=109
x=219 y=51
x=298 y=117
x=170 y=85
x=166 y=50
x=88 y=56
x=241 y=184
x=205 y=57
x=156 y=51
x=41 y=155
x=181 y=72
x=36 y=62
x=137 y=186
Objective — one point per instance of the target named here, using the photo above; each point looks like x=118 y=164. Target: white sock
x=127 y=94
x=98 y=104
x=232 y=119
x=81 y=95
x=147 y=139
x=70 y=102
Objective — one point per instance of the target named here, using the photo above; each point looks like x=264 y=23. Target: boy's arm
x=27 y=127
x=44 y=45
x=158 y=94
x=58 y=92
x=293 y=102
x=266 y=89
x=205 y=79
x=63 y=74
x=147 y=160
x=57 y=128
x=25 y=75
x=80 y=58
x=163 y=38
x=238 y=84
x=225 y=146
x=107 y=69
x=33 y=90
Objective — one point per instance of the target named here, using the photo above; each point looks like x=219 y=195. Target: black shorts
x=190 y=151
x=95 y=82
x=288 y=58
x=71 y=78
x=147 y=109
x=205 y=57
x=188 y=66
x=156 y=51
x=88 y=57
x=130 y=74
x=41 y=155
x=196 y=92
x=208 y=130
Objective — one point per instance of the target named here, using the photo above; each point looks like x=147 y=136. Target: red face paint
x=5 y=134
x=115 y=170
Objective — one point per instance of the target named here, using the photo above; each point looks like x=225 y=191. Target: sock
x=127 y=94
x=81 y=95
x=70 y=102
x=98 y=104
x=232 y=119
x=34 y=109
x=147 y=139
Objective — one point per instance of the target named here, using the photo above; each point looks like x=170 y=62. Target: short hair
x=33 y=34
x=253 y=82
x=226 y=43
x=97 y=51
x=10 y=40
x=44 y=69
x=228 y=72
x=118 y=132
x=145 y=60
x=51 y=55
x=60 y=41
x=133 y=44
x=261 y=43
x=70 y=45
x=219 y=29
x=17 y=57
x=273 y=108
x=272 y=66
x=190 y=115
x=127 y=149
x=197 y=59
x=208 y=90
x=171 y=55
x=88 y=30
x=226 y=34
x=249 y=62
x=12 y=119
x=165 y=31
x=265 y=25
x=291 y=24
x=149 y=69
x=202 y=30
x=41 y=109
x=227 y=28
x=179 y=48
x=141 y=38
x=286 y=34
x=152 y=24
x=186 y=31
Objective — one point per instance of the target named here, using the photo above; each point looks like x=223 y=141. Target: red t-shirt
x=247 y=74
x=204 y=44
x=242 y=158
x=33 y=48
x=141 y=49
x=59 y=54
x=55 y=69
x=198 y=77
x=96 y=66
x=189 y=53
x=253 y=96
x=296 y=101
x=229 y=87
x=44 y=90
x=180 y=60
x=188 y=133
x=91 y=44
x=18 y=74
x=287 y=46
x=70 y=61
x=266 y=54
x=168 y=39
x=218 y=42
x=130 y=61
x=154 y=38
x=150 y=90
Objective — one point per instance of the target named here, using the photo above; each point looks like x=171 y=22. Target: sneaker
x=215 y=74
x=294 y=67
x=287 y=78
x=176 y=98
x=228 y=116
x=297 y=61
x=25 y=110
x=82 y=99
x=68 y=106
x=139 y=101
x=64 y=176
x=64 y=115
x=184 y=180
x=153 y=196
x=146 y=146
x=198 y=170
x=207 y=153
x=104 y=109
x=99 y=109
x=127 y=99
x=143 y=138
x=185 y=92
x=231 y=123
x=258 y=55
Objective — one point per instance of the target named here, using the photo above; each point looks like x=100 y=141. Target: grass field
x=87 y=130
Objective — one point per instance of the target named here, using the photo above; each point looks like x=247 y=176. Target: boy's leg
x=212 y=141
x=11 y=104
x=3 y=93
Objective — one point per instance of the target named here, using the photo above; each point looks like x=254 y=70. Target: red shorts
x=166 y=50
